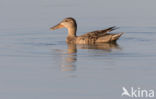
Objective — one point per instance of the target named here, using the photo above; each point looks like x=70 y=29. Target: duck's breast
x=82 y=40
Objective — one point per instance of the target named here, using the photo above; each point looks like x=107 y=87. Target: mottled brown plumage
x=98 y=36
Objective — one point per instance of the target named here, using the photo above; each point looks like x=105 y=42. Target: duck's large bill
x=58 y=26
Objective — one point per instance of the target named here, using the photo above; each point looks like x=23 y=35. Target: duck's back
x=97 y=36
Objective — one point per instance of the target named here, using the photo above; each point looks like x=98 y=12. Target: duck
x=98 y=36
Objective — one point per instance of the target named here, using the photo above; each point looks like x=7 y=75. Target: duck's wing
x=99 y=36
x=99 y=33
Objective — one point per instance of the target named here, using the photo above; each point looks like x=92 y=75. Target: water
x=36 y=63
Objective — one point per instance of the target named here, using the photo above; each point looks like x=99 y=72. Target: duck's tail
x=116 y=36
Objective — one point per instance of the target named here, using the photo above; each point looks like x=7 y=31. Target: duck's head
x=65 y=23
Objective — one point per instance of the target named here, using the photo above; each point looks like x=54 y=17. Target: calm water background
x=35 y=62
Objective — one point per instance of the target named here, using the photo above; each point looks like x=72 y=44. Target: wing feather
x=99 y=33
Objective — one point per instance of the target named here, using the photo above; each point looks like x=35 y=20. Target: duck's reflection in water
x=69 y=58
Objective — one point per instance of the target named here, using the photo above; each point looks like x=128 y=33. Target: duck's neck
x=72 y=31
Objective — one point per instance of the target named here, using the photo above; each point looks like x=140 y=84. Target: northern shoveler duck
x=99 y=36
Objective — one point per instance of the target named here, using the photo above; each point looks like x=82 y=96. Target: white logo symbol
x=138 y=92
x=125 y=92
